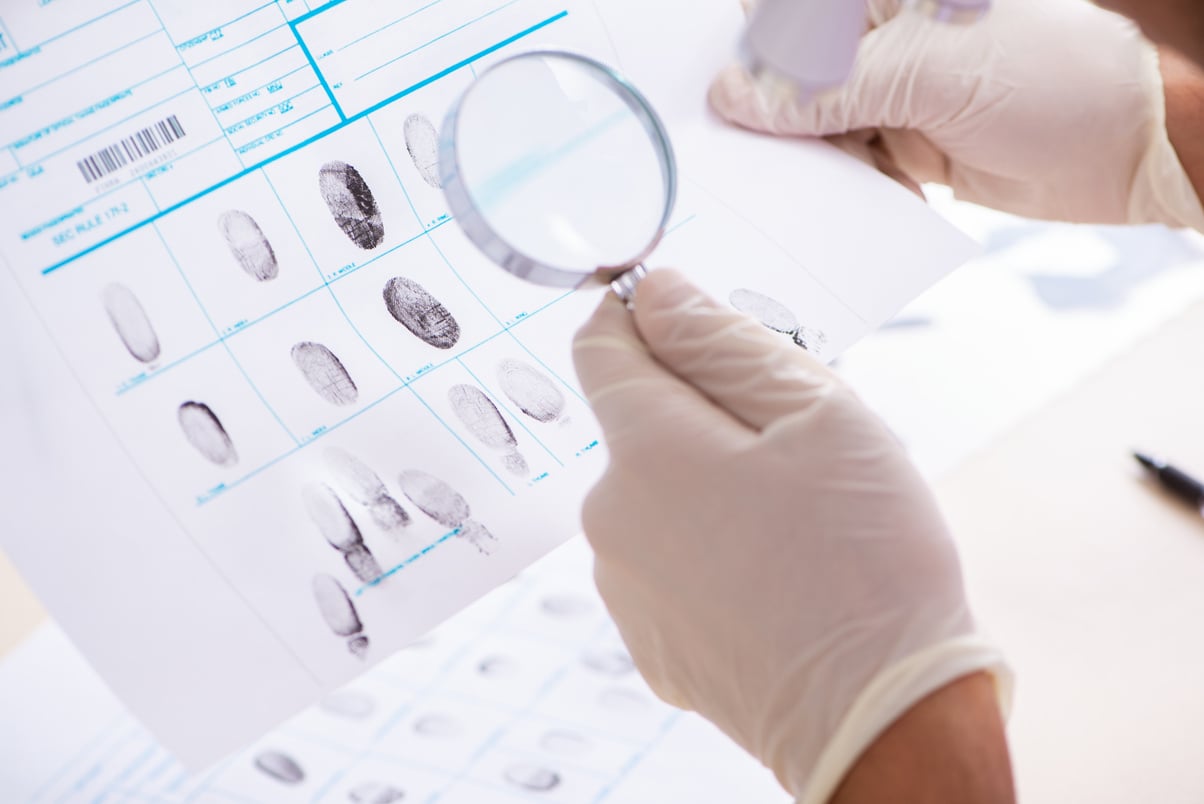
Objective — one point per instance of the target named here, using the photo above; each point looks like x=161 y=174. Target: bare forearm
x=1184 y=83
x=949 y=747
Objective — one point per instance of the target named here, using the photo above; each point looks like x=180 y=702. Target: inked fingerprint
x=774 y=315
x=328 y=513
x=325 y=373
x=531 y=391
x=362 y=563
x=769 y=312
x=339 y=529
x=434 y=498
x=349 y=704
x=421 y=313
x=485 y=422
x=532 y=778
x=363 y=485
x=376 y=793
x=280 y=767
x=422 y=141
x=444 y=504
x=813 y=340
x=131 y=322
x=249 y=245
x=438 y=726
x=339 y=613
x=566 y=606
x=478 y=536
x=612 y=663
x=205 y=432
x=565 y=743
x=352 y=204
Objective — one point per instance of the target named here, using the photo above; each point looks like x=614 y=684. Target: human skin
x=951 y=745
x=1177 y=26
x=1177 y=23
x=1184 y=87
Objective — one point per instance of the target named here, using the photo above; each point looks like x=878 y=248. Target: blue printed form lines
x=430 y=79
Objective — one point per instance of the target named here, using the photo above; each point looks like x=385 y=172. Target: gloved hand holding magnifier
x=559 y=170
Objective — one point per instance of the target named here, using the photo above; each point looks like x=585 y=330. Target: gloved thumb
x=642 y=407
x=747 y=371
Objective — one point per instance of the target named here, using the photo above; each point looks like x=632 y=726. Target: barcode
x=131 y=149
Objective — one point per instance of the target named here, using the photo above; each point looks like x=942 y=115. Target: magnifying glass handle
x=625 y=283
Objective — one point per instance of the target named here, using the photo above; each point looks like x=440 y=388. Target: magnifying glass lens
x=564 y=165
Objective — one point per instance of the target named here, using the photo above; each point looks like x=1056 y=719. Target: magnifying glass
x=559 y=170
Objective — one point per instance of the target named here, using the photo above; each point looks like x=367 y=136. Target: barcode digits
x=131 y=149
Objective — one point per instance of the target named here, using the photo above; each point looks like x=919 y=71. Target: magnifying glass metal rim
x=623 y=277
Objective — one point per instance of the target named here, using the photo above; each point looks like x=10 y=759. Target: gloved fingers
x=916 y=156
x=870 y=146
x=641 y=406
x=875 y=96
x=628 y=599
x=879 y=10
x=734 y=361
x=882 y=11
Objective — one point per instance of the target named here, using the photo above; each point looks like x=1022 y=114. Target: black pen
x=1175 y=481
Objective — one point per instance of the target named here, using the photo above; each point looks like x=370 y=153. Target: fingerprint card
x=285 y=416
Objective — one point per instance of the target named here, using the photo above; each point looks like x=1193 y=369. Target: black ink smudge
x=325 y=373
x=532 y=778
x=339 y=613
x=352 y=204
x=486 y=423
x=205 y=432
x=131 y=322
x=280 y=767
x=531 y=391
x=339 y=529
x=813 y=340
x=422 y=141
x=421 y=313
x=363 y=485
x=249 y=245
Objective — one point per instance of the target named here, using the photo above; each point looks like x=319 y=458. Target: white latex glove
x=1046 y=108
x=770 y=555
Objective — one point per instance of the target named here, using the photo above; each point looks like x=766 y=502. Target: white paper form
x=526 y=696
x=274 y=417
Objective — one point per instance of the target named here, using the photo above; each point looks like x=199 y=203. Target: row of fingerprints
x=528 y=388
x=354 y=209
x=434 y=498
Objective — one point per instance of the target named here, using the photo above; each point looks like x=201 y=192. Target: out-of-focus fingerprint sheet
x=270 y=416
x=526 y=696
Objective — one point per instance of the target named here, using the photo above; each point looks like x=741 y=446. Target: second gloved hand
x=771 y=557
x=1046 y=108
